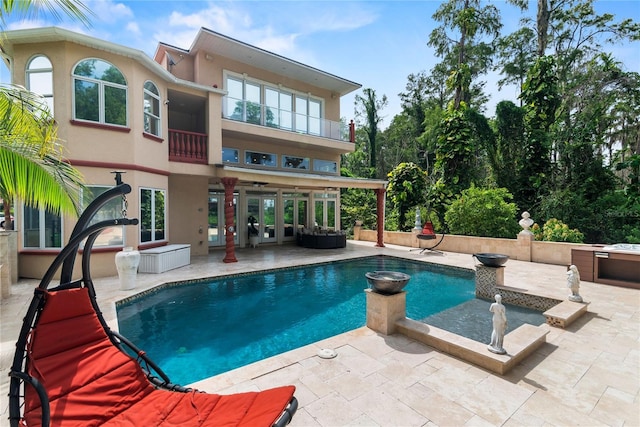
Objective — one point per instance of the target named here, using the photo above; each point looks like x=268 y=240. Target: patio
x=586 y=374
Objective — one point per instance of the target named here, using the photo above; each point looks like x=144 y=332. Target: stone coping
x=519 y=344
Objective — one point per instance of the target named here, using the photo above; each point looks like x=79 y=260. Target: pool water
x=473 y=320
x=197 y=330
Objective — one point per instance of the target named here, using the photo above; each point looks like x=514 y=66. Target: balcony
x=188 y=147
x=286 y=120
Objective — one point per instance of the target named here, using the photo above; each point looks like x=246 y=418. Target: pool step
x=563 y=314
x=519 y=344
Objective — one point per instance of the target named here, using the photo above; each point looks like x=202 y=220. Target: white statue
x=526 y=222
x=499 y=326
x=573 y=283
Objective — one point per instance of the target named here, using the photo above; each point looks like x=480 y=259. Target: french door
x=262 y=207
x=216 y=232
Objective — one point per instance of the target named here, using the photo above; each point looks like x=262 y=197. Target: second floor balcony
x=286 y=120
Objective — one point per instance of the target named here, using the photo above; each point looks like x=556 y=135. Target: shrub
x=555 y=230
x=483 y=212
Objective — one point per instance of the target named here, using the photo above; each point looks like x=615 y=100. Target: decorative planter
x=491 y=260
x=254 y=240
x=127 y=262
x=387 y=282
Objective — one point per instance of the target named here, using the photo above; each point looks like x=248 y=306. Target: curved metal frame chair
x=35 y=396
x=428 y=233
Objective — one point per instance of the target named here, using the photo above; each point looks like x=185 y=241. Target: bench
x=164 y=258
x=563 y=314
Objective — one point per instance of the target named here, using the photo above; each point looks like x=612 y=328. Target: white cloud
x=109 y=11
x=133 y=27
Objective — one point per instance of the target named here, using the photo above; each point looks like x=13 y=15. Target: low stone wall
x=523 y=248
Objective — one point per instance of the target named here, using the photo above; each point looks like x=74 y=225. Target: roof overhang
x=218 y=44
x=55 y=34
x=294 y=179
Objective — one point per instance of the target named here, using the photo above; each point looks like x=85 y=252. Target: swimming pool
x=197 y=330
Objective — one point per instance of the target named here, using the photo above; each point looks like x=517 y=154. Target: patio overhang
x=307 y=181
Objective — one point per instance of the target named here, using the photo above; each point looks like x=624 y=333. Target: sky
x=377 y=44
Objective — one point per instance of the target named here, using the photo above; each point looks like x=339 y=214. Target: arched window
x=100 y=93
x=40 y=79
x=151 y=109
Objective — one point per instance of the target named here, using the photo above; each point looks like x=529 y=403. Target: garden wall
x=523 y=248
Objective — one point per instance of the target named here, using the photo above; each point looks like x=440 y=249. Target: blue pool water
x=194 y=331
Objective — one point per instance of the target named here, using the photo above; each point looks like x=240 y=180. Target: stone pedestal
x=8 y=261
x=525 y=240
x=384 y=310
x=487 y=279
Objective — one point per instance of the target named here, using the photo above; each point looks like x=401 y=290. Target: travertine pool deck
x=586 y=374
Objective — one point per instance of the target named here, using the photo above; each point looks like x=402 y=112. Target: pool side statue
x=499 y=326
x=573 y=283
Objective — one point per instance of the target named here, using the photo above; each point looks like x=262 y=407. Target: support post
x=384 y=310
x=229 y=227
x=380 y=192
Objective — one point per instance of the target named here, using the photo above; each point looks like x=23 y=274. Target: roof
x=219 y=44
x=56 y=34
x=301 y=180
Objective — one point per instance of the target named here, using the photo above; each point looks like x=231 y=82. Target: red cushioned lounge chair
x=70 y=369
x=428 y=233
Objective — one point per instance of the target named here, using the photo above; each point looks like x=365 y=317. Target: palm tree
x=31 y=164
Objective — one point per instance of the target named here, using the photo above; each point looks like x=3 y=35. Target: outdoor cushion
x=91 y=382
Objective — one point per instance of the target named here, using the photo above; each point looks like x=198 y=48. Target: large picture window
x=151 y=109
x=100 y=93
x=41 y=229
x=40 y=79
x=265 y=104
x=152 y=215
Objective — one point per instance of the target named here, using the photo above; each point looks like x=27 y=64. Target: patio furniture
x=428 y=233
x=70 y=369
x=322 y=240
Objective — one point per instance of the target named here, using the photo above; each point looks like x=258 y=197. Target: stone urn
x=127 y=261
x=387 y=282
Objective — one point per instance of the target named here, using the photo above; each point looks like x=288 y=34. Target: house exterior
x=215 y=140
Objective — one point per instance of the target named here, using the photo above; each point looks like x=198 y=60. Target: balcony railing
x=273 y=117
x=188 y=147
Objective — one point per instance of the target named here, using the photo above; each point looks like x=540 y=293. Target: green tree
x=407 y=189
x=505 y=156
x=517 y=54
x=369 y=107
x=541 y=101
x=460 y=42
x=486 y=212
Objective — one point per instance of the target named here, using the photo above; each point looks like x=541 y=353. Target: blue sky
x=374 y=43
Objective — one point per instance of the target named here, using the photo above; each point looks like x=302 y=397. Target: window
x=40 y=79
x=42 y=229
x=151 y=109
x=112 y=236
x=100 y=93
x=265 y=104
x=292 y=162
x=230 y=155
x=325 y=166
x=325 y=211
x=152 y=215
x=264 y=159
